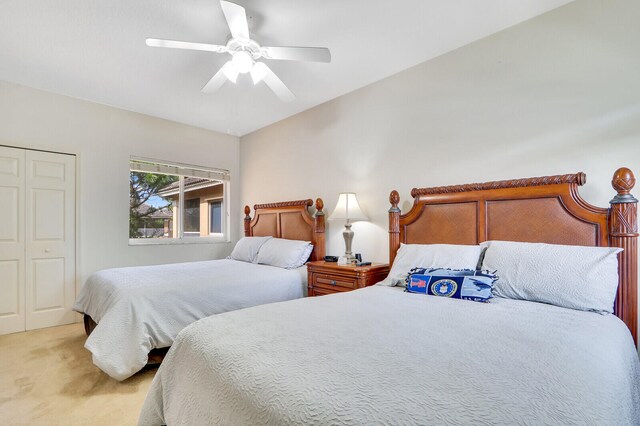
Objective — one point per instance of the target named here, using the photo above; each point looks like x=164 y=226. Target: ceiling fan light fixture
x=230 y=71
x=243 y=61
x=258 y=72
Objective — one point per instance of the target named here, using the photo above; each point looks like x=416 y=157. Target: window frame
x=182 y=171
x=222 y=215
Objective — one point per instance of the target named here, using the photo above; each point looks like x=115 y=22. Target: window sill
x=176 y=241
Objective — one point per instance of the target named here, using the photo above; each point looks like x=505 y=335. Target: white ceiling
x=95 y=50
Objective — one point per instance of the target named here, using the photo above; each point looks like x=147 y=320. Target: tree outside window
x=149 y=214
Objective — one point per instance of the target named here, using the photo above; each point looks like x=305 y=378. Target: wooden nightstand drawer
x=327 y=278
x=331 y=281
x=321 y=291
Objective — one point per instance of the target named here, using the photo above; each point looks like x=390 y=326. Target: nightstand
x=329 y=277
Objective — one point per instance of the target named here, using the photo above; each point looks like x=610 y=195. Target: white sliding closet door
x=50 y=239
x=12 y=245
x=37 y=239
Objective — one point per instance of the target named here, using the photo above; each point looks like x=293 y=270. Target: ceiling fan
x=245 y=53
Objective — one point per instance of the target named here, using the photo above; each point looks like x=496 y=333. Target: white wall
x=557 y=94
x=104 y=138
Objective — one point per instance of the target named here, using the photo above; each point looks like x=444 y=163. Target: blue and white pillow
x=454 y=283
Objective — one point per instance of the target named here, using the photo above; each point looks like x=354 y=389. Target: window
x=170 y=202
x=192 y=218
x=215 y=217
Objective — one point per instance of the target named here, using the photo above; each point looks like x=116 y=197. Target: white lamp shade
x=348 y=208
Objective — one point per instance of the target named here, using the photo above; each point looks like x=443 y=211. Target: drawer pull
x=333 y=282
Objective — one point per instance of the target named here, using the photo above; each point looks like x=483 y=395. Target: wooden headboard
x=543 y=209
x=290 y=220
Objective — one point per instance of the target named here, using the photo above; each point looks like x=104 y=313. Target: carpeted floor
x=47 y=378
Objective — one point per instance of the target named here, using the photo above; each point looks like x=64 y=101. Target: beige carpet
x=47 y=378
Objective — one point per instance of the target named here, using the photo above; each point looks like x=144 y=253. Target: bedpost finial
x=623 y=182
x=394 y=199
x=247 y=210
x=319 y=204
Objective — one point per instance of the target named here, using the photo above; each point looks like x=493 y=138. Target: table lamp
x=349 y=209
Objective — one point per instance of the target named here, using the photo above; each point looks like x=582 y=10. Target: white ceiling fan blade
x=274 y=83
x=236 y=19
x=216 y=81
x=173 y=44
x=310 y=54
x=258 y=72
x=230 y=71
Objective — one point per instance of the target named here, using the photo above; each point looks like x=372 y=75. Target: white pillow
x=430 y=256
x=247 y=248
x=284 y=253
x=575 y=277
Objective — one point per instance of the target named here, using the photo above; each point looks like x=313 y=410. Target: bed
x=132 y=315
x=380 y=355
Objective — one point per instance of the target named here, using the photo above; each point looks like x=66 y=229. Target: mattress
x=141 y=308
x=382 y=356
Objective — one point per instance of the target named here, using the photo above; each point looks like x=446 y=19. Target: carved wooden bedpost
x=394 y=225
x=623 y=231
x=247 y=221
x=319 y=230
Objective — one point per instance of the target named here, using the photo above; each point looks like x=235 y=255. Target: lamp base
x=350 y=259
x=348 y=238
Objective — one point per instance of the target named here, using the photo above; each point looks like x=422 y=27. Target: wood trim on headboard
x=541 y=209
x=311 y=228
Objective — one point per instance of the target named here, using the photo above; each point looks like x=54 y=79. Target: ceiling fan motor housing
x=251 y=46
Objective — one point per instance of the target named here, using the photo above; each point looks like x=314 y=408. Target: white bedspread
x=378 y=356
x=141 y=308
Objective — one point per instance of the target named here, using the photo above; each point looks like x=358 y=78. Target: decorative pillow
x=289 y=254
x=247 y=248
x=458 y=284
x=430 y=256
x=575 y=277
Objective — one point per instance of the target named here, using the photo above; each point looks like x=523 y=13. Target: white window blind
x=176 y=169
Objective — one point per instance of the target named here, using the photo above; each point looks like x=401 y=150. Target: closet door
x=50 y=239
x=12 y=245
